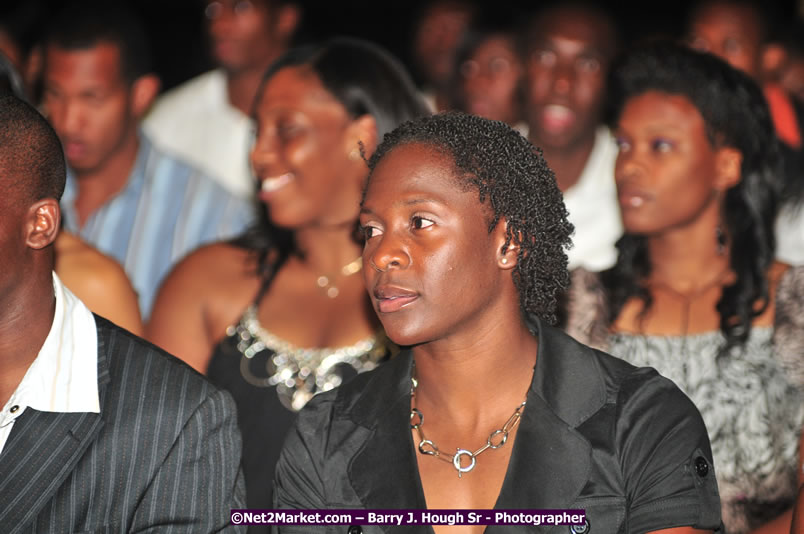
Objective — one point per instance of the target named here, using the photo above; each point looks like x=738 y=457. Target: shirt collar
x=567 y=378
x=64 y=375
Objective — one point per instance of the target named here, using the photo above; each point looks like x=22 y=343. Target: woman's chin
x=405 y=335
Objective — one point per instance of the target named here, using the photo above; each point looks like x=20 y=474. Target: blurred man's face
x=89 y=104
x=243 y=33
x=566 y=73
x=436 y=38
x=490 y=80
x=730 y=32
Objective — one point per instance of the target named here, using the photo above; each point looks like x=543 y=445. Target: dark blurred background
x=176 y=27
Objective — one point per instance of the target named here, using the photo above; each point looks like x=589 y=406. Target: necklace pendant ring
x=456 y=461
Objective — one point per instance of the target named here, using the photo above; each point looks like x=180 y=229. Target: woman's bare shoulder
x=218 y=281
x=218 y=263
x=98 y=280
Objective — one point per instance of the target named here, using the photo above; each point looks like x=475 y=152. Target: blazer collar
x=550 y=462
x=383 y=472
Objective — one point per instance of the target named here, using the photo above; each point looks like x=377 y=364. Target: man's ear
x=287 y=20
x=729 y=168
x=43 y=222
x=506 y=255
x=143 y=92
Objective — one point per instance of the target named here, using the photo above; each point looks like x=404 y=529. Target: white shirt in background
x=196 y=122
x=594 y=210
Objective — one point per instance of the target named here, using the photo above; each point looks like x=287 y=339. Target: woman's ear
x=42 y=223
x=728 y=166
x=506 y=254
x=361 y=138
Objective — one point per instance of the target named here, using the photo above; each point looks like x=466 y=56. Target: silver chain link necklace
x=431 y=449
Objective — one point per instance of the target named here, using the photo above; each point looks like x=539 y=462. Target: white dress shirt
x=64 y=375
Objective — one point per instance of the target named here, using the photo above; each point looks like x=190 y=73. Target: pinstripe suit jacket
x=163 y=454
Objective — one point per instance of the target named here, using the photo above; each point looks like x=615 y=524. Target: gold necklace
x=326 y=282
x=429 y=448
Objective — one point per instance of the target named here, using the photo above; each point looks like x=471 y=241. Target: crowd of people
x=581 y=257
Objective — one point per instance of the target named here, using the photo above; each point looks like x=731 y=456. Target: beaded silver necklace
x=300 y=372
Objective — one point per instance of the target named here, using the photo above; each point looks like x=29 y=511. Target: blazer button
x=354 y=529
x=701 y=466
x=580 y=529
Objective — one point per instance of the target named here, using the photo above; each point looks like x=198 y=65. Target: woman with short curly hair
x=490 y=407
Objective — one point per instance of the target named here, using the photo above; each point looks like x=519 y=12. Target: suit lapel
x=42 y=451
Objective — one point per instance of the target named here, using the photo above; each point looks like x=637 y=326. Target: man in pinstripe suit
x=99 y=431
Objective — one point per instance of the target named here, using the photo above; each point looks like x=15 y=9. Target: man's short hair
x=84 y=25
x=31 y=158
x=598 y=12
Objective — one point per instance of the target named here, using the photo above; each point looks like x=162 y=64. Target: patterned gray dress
x=751 y=401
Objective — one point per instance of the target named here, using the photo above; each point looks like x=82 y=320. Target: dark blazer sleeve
x=200 y=481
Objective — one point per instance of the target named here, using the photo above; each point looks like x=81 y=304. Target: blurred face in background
x=89 y=103
x=436 y=39
x=569 y=58
x=305 y=157
x=490 y=78
x=248 y=34
x=668 y=173
x=731 y=32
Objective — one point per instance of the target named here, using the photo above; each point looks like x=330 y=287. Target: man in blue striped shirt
x=127 y=198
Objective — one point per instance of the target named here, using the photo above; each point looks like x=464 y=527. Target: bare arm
x=177 y=322
x=197 y=301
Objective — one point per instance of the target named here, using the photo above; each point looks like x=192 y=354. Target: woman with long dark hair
x=696 y=292
x=278 y=315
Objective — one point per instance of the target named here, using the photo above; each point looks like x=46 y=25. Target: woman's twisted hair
x=514 y=181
